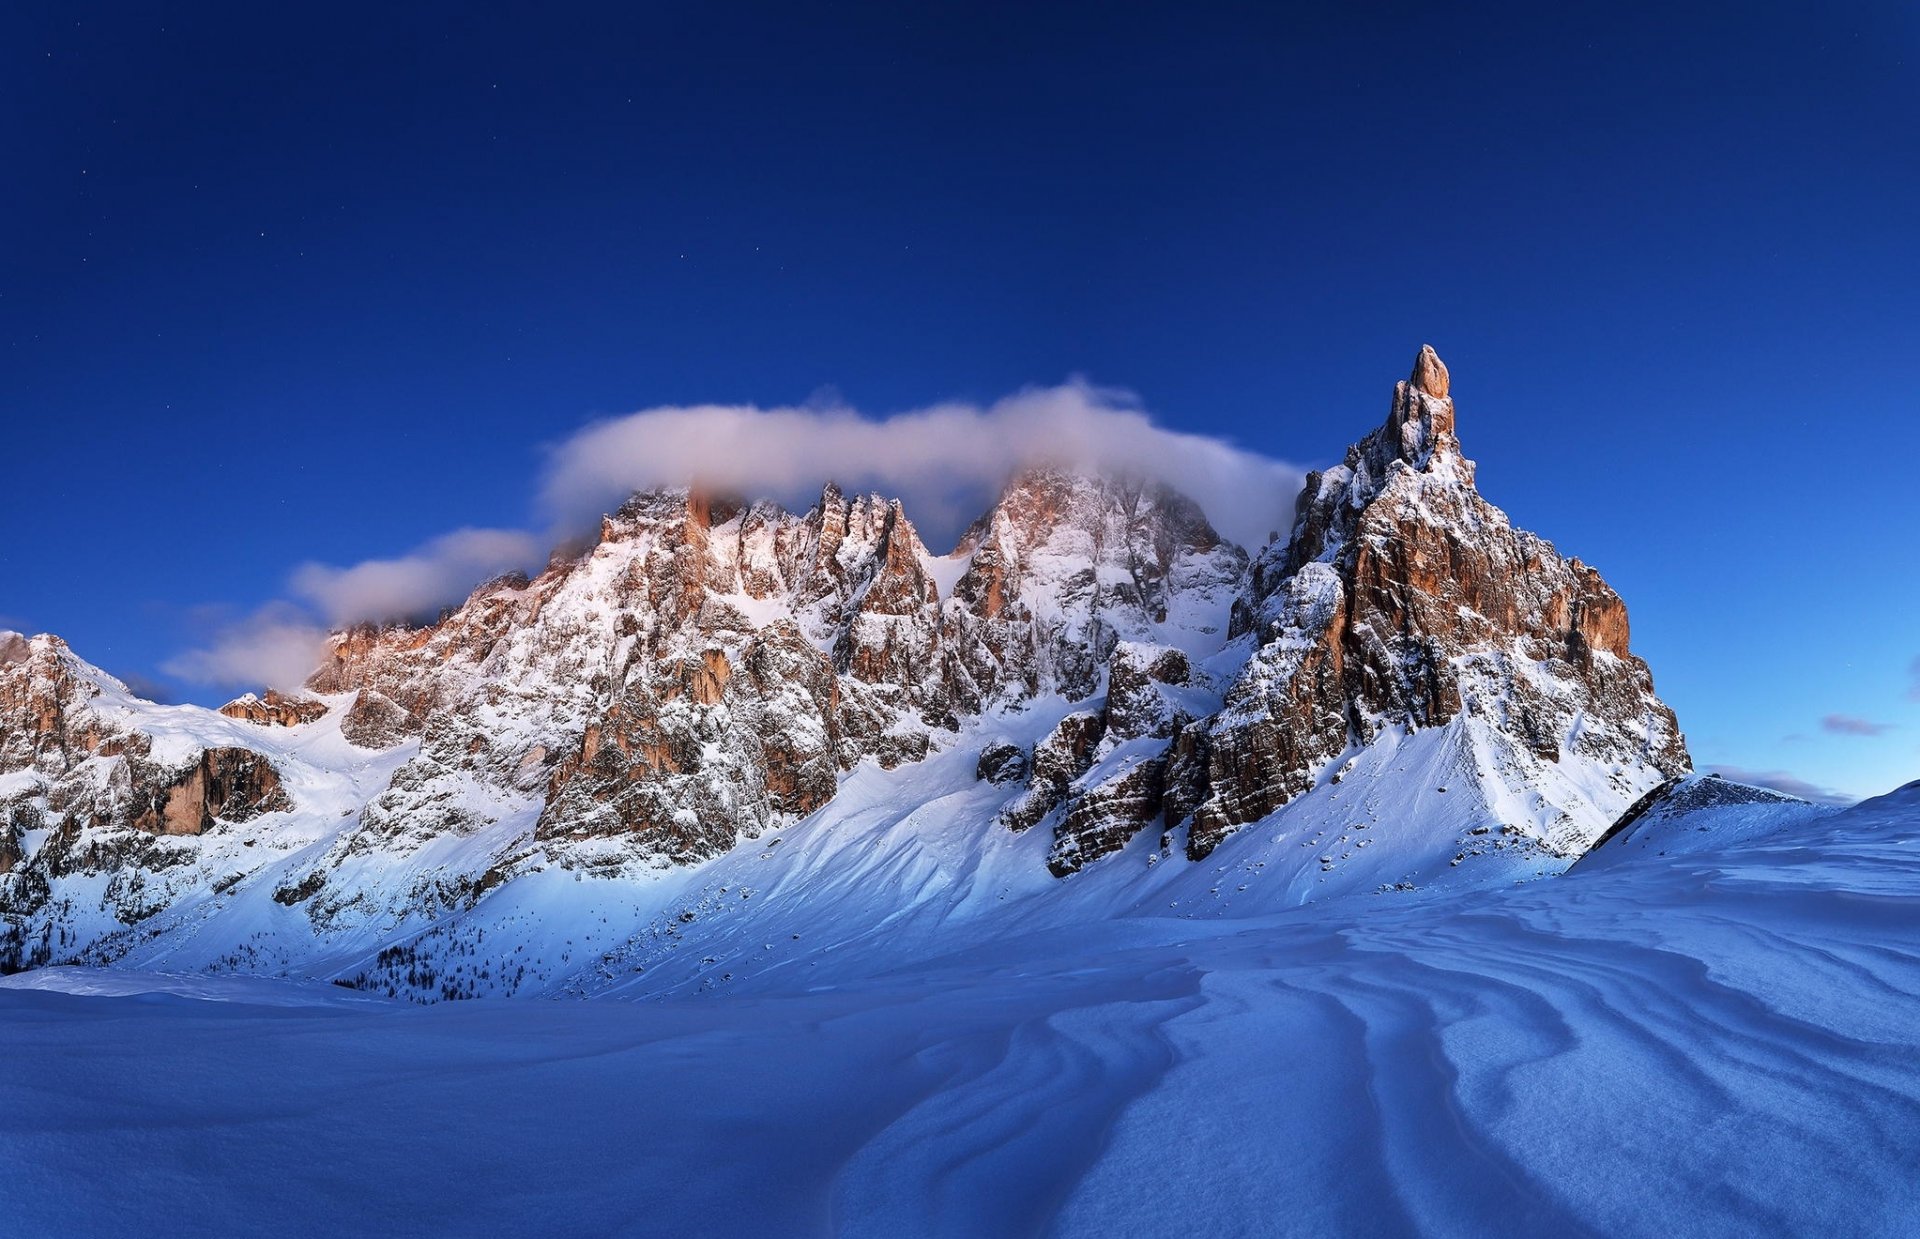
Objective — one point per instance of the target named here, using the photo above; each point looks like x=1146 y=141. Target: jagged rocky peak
x=1430 y=373
x=92 y=778
x=46 y=691
x=1066 y=565
x=1418 y=436
x=1404 y=600
x=1422 y=420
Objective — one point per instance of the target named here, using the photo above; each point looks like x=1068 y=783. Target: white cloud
x=945 y=462
x=420 y=582
x=276 y=646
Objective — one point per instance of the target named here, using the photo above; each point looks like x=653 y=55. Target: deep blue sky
x=285 y=283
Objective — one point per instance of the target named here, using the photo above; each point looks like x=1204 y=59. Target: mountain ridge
x=712 y=672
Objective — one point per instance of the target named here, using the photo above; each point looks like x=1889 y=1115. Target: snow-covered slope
x=1699 y=814
x=727 y=740
x=1725 y=1043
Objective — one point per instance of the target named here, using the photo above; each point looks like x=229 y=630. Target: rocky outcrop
x=1056 y=762
x=94 y=783
x=1140 y=697
x=1106 y=816
x=376 y=721
x=274 y=709
x=1001 y=762
x=224 y=784
x=1100 y=776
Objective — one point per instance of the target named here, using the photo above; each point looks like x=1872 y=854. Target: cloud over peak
x=441 y=571
x=278 y=646
x=945 y=462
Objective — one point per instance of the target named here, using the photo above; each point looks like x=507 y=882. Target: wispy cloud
x=1849 y=725
x=1782 y=781
x=945 y=461
x=1913 y=675
x=418 y=583
x=278 y=646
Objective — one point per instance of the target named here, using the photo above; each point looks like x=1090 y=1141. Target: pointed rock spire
x=1421 y=422
x=1430 y=373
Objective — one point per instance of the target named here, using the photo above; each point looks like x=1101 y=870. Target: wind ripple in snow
x=1726 y=1043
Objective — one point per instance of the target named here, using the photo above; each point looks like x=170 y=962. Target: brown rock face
x=1057 y=761
x=274 y=709
x=371 y=656
x=1106 y=817
x=1405 y=598
x=227 y=784
x=689 y=758
x=46 y=720
x=1430 y=373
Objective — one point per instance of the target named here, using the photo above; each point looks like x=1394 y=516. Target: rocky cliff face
x=1401 y=599
x=711 y=669
x=710 y=672
x=1404 y=599
x=71 y=754
x=275 y=709
x=90 y=788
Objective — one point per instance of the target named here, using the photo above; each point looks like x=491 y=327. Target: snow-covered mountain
x=752 y=738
